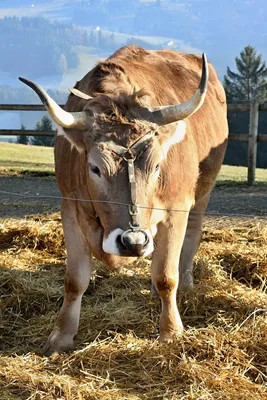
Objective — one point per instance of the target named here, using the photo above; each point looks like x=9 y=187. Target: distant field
x=159 y=41
x=16 y=159
x=88 y=58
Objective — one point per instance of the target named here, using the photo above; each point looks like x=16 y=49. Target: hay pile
x=222 y=355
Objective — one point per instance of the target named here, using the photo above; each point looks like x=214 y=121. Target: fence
x=252 y=137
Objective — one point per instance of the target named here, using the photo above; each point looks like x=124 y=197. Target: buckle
x=134 y=228
x=134 y=209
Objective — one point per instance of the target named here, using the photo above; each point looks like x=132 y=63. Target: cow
x=140 y=142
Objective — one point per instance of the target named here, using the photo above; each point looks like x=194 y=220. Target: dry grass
x=222 y=354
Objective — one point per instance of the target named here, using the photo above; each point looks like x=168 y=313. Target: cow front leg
x=165 y=274
x=76 y=281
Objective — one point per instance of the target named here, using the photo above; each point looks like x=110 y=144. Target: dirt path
x=19 y=207
x=225 y=199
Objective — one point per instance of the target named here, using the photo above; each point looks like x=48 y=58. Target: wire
x=210 y=213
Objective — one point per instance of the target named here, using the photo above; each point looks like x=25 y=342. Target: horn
x=70 y=120
x=80 y=94
x=167 y=114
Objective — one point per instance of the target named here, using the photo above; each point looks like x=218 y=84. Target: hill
x=206 y=25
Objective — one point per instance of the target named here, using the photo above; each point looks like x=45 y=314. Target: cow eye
x=95 y=170
x=157 y=167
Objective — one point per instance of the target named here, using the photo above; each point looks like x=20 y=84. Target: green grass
x=18 y=159
x=239 y=174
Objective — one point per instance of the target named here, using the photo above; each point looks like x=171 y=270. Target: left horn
x=167 y=114
x=69 y=120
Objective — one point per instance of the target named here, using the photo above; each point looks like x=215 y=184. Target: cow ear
x=76 y=138
x=177 y=136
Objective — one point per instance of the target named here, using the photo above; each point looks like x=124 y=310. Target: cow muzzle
x=135 y=241
x=129 y=243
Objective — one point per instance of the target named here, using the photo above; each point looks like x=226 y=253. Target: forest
x=48 y=46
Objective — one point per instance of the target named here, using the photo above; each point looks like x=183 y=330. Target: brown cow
x=128 y=134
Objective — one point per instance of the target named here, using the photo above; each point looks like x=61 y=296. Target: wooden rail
x=252 y=137
x=26 y=132
x=23 y=107
x=245 y=107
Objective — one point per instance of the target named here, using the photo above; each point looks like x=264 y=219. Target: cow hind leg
x=76 y=281
x=191 y=244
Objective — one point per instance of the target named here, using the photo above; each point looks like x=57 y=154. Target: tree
x=249 y=83
x=45 y=125
x=22 y=139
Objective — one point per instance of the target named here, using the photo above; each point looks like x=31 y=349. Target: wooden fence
x=252 y=136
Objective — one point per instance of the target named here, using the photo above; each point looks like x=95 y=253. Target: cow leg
x=165 y=274
x=76 y=281
x=191 y=243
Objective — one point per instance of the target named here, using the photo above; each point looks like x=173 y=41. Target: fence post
x=252 y=142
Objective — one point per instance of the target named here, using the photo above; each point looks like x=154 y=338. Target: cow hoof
x=186 y=287
x=58 y=343
x=170 y=337
x=186 y=282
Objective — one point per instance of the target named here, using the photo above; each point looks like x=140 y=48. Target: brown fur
x=167 y=76
x=122 y=87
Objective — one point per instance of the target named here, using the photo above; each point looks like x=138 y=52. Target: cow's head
x=126 y=143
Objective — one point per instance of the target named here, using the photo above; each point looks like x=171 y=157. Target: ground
x=225 y=199
x=222 y=354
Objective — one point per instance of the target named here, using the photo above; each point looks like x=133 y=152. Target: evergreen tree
x=22 y=139
x=45 y=125
x=249 y=83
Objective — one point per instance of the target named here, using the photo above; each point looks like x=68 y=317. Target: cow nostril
x=119 y=240
x=133 y=239
x=125 y=240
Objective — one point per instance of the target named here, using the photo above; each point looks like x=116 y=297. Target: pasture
x=221 y=355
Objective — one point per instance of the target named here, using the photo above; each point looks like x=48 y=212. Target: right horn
x=167 y=114
x=70 y=120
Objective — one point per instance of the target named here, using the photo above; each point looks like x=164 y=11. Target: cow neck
x=129 y=154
